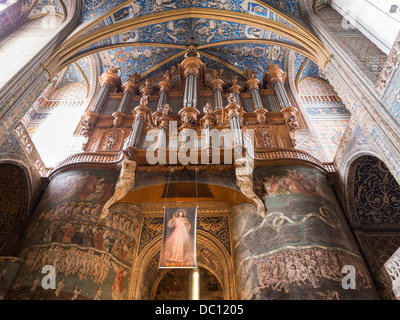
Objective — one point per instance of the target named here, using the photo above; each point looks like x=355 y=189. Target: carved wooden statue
x=125 y=182
x=244 y=178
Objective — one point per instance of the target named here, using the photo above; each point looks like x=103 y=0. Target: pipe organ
x=196 y=98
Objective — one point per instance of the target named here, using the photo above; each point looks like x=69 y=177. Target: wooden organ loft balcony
x=137 y=118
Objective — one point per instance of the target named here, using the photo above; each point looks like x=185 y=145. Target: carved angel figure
x=165 y=109
x=124 y=184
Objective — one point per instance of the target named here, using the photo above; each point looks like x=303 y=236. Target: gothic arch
x=15 y=202
x=380 y=189
x=23 y=87
x=305 y=41
x=146 y=267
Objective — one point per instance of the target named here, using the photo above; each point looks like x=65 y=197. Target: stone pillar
x=303 y=249
x=92 y=258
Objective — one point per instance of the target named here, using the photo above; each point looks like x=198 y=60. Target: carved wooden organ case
x=124 y=116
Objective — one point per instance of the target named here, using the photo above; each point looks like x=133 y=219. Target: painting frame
x=178 y=248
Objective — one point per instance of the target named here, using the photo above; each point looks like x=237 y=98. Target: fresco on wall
x=92 y=257
x=210 y=288
x=175 y=285
x=87 y=185
x=8 y=268
x=81 y=274
x=308 y=240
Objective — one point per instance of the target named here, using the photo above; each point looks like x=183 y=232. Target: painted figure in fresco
x=3 y=283
x=76 y=292
x=117 y=288
x=98 y=294
x=274 y=185
x=35 y=284
x=178 y=247
x=60 y=287
x=296 y=182
x=175 y=289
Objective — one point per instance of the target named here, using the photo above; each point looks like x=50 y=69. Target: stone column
x=303 y=249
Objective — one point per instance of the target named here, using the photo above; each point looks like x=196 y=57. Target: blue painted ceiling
x=163 y=44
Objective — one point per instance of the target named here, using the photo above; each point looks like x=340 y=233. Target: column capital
x=217 y=82
x=142 y=111
x=189 y=116
x=191 y=65
x=208 y=118
x=130 y=87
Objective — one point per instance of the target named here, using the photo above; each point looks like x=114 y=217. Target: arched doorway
x=373 y=203
x=179 y=284
x=215 y=270
x=14 y=200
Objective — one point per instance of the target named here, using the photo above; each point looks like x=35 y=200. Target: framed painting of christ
x=178 y=248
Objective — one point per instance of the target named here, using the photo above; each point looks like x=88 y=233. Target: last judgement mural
x=210 y=150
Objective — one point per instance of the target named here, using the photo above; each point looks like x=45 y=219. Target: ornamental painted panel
x=374 y=194
x=92 y=257
x=13 y=197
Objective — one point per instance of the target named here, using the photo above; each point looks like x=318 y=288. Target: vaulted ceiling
x=146 y=36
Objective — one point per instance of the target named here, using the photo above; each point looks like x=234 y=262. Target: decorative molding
x=79 y=42
x=31 y=150
x=390 y=66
